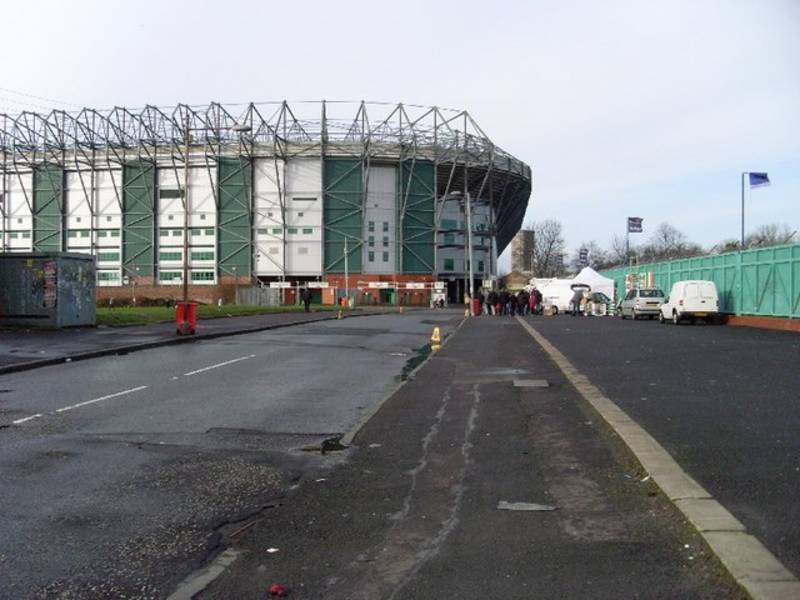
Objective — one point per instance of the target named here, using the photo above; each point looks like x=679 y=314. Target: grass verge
x=144 y=315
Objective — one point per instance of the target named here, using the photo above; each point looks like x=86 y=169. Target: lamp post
x=187 y=139
x=235 y=286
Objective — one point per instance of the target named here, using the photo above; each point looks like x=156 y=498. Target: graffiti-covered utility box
x=47 y=289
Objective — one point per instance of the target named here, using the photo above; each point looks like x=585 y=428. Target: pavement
x=120 y=475
x=23 y=349
x=723 y=401
x=414 y=511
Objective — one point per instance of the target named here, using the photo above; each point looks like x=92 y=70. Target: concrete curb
x=349 y=436
x=36 y=364
x=748 y=561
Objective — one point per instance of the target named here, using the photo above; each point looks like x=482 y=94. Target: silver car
x=641 y=302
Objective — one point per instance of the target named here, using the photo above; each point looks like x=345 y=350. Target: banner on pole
x=758 y=180
x=635 y=224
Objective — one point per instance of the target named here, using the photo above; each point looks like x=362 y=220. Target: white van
x=690 y=300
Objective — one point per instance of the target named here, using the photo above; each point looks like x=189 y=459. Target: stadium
x=368 y=197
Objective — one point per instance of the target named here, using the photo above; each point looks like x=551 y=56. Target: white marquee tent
x=594 y=280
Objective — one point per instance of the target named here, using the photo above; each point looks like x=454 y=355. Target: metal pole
x=627 y=242
x=186 y=216
x=741 y=247
x=346 y=273
x=469 y=246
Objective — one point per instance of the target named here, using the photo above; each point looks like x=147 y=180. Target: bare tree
x=617 y=253
x=667 y=243
x=773 y=234
x=548 y=248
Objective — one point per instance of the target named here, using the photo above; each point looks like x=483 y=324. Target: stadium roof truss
x=464 y=159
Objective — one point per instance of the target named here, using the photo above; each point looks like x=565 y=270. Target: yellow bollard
x=401 y=310
x=466 y=313
x=436 y=337
x=339 y=316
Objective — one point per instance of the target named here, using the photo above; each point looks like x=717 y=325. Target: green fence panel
x=48 y=208
x=760 y=282
x=417 y=191
x=234 y=228
x=342 y=214
x=138 y=218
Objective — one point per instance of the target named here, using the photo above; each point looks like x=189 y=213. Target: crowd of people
x=503 y=302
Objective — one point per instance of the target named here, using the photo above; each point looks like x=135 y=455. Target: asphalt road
x=724 y=401
x=118 y=475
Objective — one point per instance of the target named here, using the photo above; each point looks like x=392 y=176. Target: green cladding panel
x=342 y=214
x=762 y=282
x=234 y=230
x=48 y=200
x=418 y=193
x=138 y=218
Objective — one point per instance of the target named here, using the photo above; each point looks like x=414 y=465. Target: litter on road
x=524 y=506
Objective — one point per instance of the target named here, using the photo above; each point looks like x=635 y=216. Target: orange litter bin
x=186 y=318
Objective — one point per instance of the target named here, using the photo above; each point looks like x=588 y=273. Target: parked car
x=690 y=300
x=641 y=302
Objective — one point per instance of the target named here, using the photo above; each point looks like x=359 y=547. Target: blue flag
x=758 y=180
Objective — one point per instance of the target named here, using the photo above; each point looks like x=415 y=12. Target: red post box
x=186 y=318
x=476 y=307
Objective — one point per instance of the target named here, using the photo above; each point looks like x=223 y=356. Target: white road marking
x=20 y=421
x=217 y=366
x=122 y=393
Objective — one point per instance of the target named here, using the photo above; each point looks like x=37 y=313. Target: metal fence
x=761 y=282
x=260 y=296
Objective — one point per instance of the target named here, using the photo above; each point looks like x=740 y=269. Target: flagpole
x=741 y=247
x=627 y=240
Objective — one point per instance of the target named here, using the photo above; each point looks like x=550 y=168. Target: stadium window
x=448 y=264
x=161 y=233
x=108 y=219
x=301 y=214
x=449 y=238
x=308 y=230
x=203 y=255
x=107 y=276
x=104 y=233
x=480 y=266
x=195 y=232
x=385 y=257
x=371 y=241
x=19 y=221
x=385 y=241
x=107 y=256
x=371 y=257
x=26 y=235
x=167 y=255
x=291 y=230
x=13 y=235
x=169 y=193
x=262 y=232
x=203 y=217
x=276 y=230
x=371 y=226
x=169 y=275
x=209 y=232
x=170 y=217
x=202 y=275
x=72 y=233
x=114 y=232
x=303 y=199
x=84 y=233
x=77 y=219
x=385 y=226
x=269 y=214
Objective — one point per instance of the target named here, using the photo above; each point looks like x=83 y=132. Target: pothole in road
x=332 y=444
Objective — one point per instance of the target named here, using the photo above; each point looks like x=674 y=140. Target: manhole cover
x=531 y=383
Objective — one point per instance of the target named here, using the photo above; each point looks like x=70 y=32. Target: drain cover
x=531 y=383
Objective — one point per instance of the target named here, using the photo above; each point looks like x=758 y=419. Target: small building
x=47 y=289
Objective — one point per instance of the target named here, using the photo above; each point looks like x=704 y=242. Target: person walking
x=306 y=297
x=491 y=301
x=577 y=297
x=522 y=302
x=532 y=302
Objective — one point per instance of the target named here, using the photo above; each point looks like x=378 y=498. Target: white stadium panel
x=380 y=224
x=304 y=217
x=268 y=181
x=19 y=220
x=202 y=204
x=107 y=198
x=269 y=258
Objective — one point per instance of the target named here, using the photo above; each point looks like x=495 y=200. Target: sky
x=648 y=109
